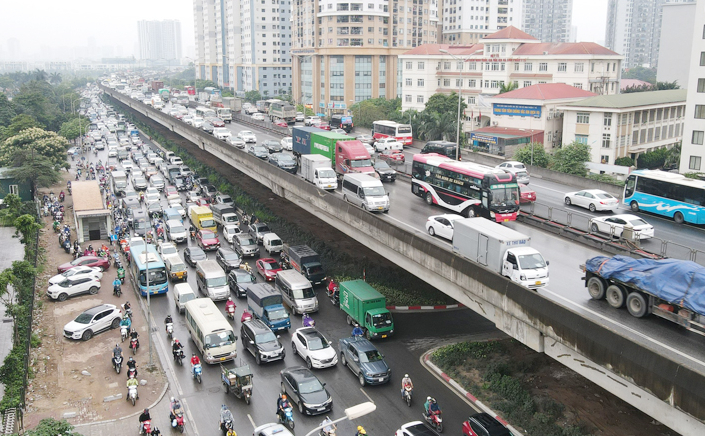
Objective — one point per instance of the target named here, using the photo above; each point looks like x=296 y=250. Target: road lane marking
x=626 y=328
x=170 y=365
x=252 y=421
x=365 y=394
x=190 y=417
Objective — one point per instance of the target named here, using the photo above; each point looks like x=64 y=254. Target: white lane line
x=190 y=417
x=170 y=364
x=626 y=328
x=365 y=394
x=252 y=421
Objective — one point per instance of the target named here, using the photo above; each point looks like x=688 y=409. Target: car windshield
x=381 y=165
x=278 y=314
x=271 y=265
x=304 y=293
x=370 y=356
x=140 y=224
x=157 y=276
x=230 y=255
x=382 y=319
x=168 y=249
x=247 y=241
x=286 y=159
x=327 y=173
x=177 y=229
x=243 y=277
x=197 y=254
x=262 y=228
x=265 y=337
x=220 y=339
x=360 y=163
x=317 y=343
x=603 y=195
x=532 y=261
x=178 y=267
x=259 y=149
x=310 y=386
x=84 y=318
x=376 y=191
x=217 y=281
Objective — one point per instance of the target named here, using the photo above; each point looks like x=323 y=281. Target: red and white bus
x=466 y=188
x=384 y=129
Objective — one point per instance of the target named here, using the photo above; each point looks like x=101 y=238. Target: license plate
x=222 y=359
x=384 y=336
x=538 y=282
x=381 y=379
x=320 y=409
x=506 y=220
x=380 y=208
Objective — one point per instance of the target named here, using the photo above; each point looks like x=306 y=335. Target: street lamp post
x=351 y=413
x=149 y=311
x=460 y=97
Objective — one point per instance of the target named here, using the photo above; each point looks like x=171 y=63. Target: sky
x=51 y=28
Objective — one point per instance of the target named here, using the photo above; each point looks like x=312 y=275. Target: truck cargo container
x=156 y=85
x=202 y=218
x=347 y=155
x=365 y=306
x=224 y=214
x=283 y=111
x=318 y=170
x=501 y=249
x=304 y=260
x=266 y=304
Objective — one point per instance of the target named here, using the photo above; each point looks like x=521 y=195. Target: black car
x=208 y=190
x=207 y=127
x=283 y=161
x=447 y=149
x=227 y=259
x=238 y=280
x=259 y=340
x=154 y=209
x=305 y=390
x=385 y=172
x=193 y=255
x=272 y=146
x=258 y=151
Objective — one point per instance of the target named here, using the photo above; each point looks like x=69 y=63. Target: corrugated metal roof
x=633 y=99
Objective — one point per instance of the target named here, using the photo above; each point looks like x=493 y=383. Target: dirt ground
x=601 y=412
x=60 y=385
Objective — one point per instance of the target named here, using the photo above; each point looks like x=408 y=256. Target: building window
x=699 y=111
x=657 y=133
x=459 y=66
x=543 y=66
x=446 y=82
x=581 y=139
x=698 y=137
x=548 y=136
x=607 y=120
x=604 y=159
x=578 y=85
x=472 y=83
x=409 y=82
x=516 y=66
x=562 y=67
x=15 y=189
x=409 y=65
x=606 y=140
x=702 y=58
x=694 y=163
x=471 y=100
x=407 y=98
x=419 y=82
x=419 y=99
x=421 y=66
x=458 y=83
x=527 y=83
x=701 y=85
x=583 y=118
x=579 y=67
x=446 y=65
x=528 y=66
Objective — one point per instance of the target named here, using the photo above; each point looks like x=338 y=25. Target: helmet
x=176 y=341
x=361 y=430
x=194 y=355
x=283 y=397
x=230 y=298
x=146 y=410
x=428 y=398
x=130 y=359
x=406 y=375
x=173 y=399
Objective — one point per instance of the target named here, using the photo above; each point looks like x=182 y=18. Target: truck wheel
x=596 y=288
x=616 y=295
x=636 y=304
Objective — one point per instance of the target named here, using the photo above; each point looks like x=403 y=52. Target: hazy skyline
x=110 y=29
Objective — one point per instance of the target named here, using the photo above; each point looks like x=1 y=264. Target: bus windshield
x=220 y=339
x=157 y=276
x=503 y=195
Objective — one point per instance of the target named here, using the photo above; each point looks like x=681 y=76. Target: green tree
x=40 y=75
x=660 y=86
x=35 y=142
x=19 y=123
x=442 y=103
x=624 y=161
x=55 y=78
x=253 y=96
x=52 y=427
x=36 y=99
x=571 y=159
x=511 y=86
x=7 y=110
x=637 y=88
x=538 y=155
x=641 y=73
x=74 y=128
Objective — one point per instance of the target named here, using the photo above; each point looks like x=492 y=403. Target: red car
x=526 y=194
x=170 y=190
x=217 y=122
x=392 y=156
x=207 y=240
x=91 y=261
x=202 y=202
x=268 y=268
x=324 y=126
x=281 y=124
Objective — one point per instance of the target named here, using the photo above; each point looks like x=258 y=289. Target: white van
x=296 y=291
x=211 y=280
x=210 y=331
x=366 y=192
x=183 y=293
x=175 y=267
x=176 y=160
x=272 y=243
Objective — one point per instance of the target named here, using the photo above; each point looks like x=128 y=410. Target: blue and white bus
x=669 y=194
x=158 y=283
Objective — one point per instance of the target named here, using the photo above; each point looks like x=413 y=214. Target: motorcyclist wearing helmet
x=406 y=383
x=134 y=335
x=176 y=347
x=194 y=361
x=132 y=382
x=174 y=408
x=117 y=351
x=328 y=426
x=167 y=321
x=357 y=331
x=226 y=418
x=360 y=431
x=126 y=322
x=282 y=405
x=131 y=364
x=431 y=406
x=144 y=417
x=228 y=304
x=116 y=284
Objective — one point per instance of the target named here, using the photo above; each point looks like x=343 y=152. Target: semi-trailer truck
x=347 y=155
x=501 y=249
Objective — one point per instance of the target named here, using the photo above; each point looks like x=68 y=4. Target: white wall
x=694 y=98
x=677 y=26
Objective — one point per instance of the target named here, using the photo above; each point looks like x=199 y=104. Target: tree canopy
x=641 y=73
x=38 y=142
x=537 y=155
x=571 y=159
x=74 y=128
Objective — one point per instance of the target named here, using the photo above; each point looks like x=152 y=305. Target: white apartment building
x=693 y=148
x=159 y=40
x=465 y=22
x=677 y=23
x=625 y=125
x=244 y=44
x=548 y=20
x=346 y=52
x=508 y=55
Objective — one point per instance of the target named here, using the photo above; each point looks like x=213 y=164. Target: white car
x=127 y=165
x=192 y=196
x=222 y=133
x=100 y=145
x=370 y=149
x=76 y=272
x=312 y=120
x=516 y=168
x=384 y=144
x=229 y=232
x=592 y=199
x=176 y=231
x=197 y=122
x=442 y=225
x=258 y=116
x=92 y=321
x=314 y=348
x=247 y=136
x=287 y=143
x=167 y=249
x=151 y=195
x=300 y=117
x=615 y=224
x=236 y=141
x=74 y=285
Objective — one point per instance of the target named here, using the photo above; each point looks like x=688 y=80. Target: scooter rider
x=282 y=405
x=357 y=331
x=360 y=431
x=116 y=285
x=144 y=417
x=176 y=347
x=117 y=353
x=131 y=364
x=431 y=407
x=328 y=426
x=126 y=322
x=167 y=320
x=228 y=304
x=174 y=408
x=225 y=416
x=406 y=383
x=194 y=361
x=132 y=382
x=135 y=335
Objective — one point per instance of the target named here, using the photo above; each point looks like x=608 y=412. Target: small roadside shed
x=10 y=185
x=93 y=220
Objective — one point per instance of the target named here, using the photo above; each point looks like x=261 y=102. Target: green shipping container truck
x=366 y=307
x=324 y=143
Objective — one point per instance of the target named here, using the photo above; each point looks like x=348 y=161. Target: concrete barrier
x=656 y=384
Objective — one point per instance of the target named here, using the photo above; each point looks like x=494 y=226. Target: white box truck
x=317 y=169
x=501 y=249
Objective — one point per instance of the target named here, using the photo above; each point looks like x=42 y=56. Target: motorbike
x=117 y=363
x=434 y=420
x=117 y=290
x=246 y=316
x=407 y=395
x=287 y=417
x=307 y=321
x=179 y=357
x=327 y=433
x=124 y=332
x=146 y=428
x=169 y=330
x=334 y=296
x=134 y=345
x=177 y=420
x=193 y=234
x=197 y=371
x=227 y=425
x=132 y=394
x=131 y=372
x=67 y=246
x=230 y=311
x=128 y=311
x=62 y=196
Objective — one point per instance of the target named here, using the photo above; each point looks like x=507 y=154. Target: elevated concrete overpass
x=647 y=378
